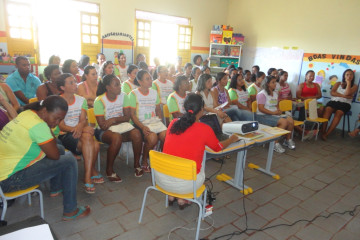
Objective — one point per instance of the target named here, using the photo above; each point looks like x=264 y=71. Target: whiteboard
x=287 y=59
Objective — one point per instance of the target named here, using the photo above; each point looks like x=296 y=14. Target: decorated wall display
x=329 y=69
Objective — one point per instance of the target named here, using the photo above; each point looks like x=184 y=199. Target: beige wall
x=324 y=26
x=119 y=15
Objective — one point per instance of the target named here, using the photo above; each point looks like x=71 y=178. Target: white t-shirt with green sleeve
x=145 y=105
x=241 y=96
x=163 y=89
x=72 y=117
x=253 y=89
x=110 y=109
x=175 y=103
x=127 y=87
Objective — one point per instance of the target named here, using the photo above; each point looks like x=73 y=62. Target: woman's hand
x=146 y=130
x=234 y=138
x=88 y=130
x=108 y=123
x=278 y=112
x=77 y=131
x=222 y=115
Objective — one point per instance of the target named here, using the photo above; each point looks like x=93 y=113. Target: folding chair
x=317 y=121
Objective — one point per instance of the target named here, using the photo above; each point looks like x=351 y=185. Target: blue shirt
x=28 y=88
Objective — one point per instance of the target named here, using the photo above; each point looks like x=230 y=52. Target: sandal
x=89 y=188
x=146 y=169
x=114 y=178
x=56 y=193
x=82 y=212
x=98 y=179
x=139 y=172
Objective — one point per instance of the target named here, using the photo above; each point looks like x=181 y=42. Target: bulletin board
x=287 y=59
x=329 y=69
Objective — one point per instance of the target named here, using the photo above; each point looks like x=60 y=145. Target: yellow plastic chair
x=254 y=109
x=285 y=106
x=13 y=195
x=31 y=100
x=179 y=168
x=317 y=121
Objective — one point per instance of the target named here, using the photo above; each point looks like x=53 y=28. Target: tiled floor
x=317 y=178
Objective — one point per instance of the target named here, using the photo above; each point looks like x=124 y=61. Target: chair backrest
x=91 y=116
x=254 y=106
x=285 y=105
x=166 y=111
x=174 y=166
x=306 y=103
x=31 y=100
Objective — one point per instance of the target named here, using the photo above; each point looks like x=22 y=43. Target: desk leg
x=237 y=181
x=268 y=163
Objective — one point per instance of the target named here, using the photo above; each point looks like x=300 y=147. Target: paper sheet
x=40 y=232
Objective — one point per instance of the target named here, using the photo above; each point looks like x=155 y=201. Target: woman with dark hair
x=111 y=108
x=187 y=137
x=83 y=63
x=29 y=154
x=198 y=61
x=144 y=104
x=284 y=91
x=88 y=87
x=204 y=89
x=129 y=84
x=187 y=70
x=222 y=97
x=162 y=85
x=51 y=72
x=70 y=66
x=247 y=78
x=238 y=94
x=342 y=95
x=140 y=58
x=268 y=113
x=76 y=135
x=54 y=59
x=100 y=58
x=143 y=66
x=256 y=87
x=120 y=70
x=176 y=99
x=106 y=68
x=195 y=74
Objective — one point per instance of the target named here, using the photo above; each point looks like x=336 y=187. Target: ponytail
x=101 y=89
x=193 y=104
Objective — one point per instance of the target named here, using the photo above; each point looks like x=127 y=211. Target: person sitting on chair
x=186 y=137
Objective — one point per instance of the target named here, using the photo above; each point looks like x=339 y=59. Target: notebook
x=213 y=122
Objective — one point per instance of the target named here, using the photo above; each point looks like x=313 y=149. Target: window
x=163 y=36
x=46 y=27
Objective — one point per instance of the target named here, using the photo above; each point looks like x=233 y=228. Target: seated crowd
x=130 y=96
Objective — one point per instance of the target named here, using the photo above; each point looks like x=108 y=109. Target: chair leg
x=343 y=128
x=98 y=160
x=204 y=205
x=41 y=203
x=143 y=203
x=127 y=153
x=4 y=209
x=199 y=220
x=29 y=198
x=318 y=129
x=167 y=201
x=303 y=132
x=348 y=118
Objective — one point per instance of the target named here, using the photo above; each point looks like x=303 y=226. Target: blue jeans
x=238 y=114
x=62 y=173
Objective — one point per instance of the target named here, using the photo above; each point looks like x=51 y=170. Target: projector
x=240 y=127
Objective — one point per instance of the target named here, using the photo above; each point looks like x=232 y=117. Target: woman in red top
x=186 y=137
x=308 y=90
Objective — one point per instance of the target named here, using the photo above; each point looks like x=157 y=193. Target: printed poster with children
x=329 y=69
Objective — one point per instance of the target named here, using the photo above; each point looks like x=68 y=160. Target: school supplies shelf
x=223 y=55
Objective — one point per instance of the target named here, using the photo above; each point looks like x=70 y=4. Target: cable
x=191 y=229
x=231 y=235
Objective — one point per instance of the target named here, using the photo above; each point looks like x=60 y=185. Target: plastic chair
x=254 y=109
x=31 y=100
x=346 y=115
x=13 y=195
x=166 y=113
x=285 y=106
x=318 y=120
x=179 y=168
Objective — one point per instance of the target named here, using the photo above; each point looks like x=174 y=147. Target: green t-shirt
x=20 y=142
